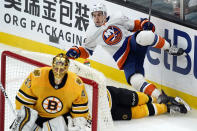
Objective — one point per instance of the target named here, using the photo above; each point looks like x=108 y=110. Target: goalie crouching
x=48 y=96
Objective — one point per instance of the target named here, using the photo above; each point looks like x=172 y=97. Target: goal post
x=15 y=68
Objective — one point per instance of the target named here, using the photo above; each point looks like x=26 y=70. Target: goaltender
x=48 y=95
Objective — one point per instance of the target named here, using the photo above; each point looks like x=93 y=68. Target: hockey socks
x=150 y=89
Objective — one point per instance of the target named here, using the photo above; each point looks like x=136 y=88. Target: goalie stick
x=7 y=99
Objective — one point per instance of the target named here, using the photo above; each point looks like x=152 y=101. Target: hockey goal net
x=15 y=68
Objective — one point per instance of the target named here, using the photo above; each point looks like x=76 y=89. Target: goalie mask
x=60 y=66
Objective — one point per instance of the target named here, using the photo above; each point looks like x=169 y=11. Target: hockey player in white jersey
x=126 y=40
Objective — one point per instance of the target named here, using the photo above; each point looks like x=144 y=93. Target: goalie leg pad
x=25 y=120
x=56 y=124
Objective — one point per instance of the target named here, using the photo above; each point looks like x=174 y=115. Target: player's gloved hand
x=77 y=124
x=73 y=52
x=147 y=25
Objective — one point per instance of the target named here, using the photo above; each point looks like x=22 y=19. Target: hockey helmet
x=99 y=7
x=60 y=65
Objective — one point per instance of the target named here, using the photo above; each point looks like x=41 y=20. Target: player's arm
x=79 y=111
x=84 y=51
x=24 y=95
x=79 y=52
x=140 y=24
x=88 y=47
x=80 y=105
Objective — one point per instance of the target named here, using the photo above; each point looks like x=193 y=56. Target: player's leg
x=120 y=112
x=148 y=38
x=134 y=70
x=25 y=119
x=152 y=109
x=138 y=81
x=126 y=97
x=149 y=109
x=122 y=105
x=55 y=124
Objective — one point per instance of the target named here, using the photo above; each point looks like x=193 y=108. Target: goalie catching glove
x=25 y=119
x=76 y=52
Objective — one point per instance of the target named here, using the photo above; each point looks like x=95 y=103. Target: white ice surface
x=165 y=122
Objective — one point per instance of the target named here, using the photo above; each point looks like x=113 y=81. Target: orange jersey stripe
x=121 y=62
x=160 y=43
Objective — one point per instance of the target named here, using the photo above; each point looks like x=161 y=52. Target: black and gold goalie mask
x=60 y=65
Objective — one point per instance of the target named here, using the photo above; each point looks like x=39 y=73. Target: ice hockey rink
x=165 y=122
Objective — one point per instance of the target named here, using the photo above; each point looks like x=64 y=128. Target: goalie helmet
x=99 y=7
x=60 y=66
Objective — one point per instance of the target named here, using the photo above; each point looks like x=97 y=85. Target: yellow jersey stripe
x=21 y=96
x=81 y=109
x=24 y=101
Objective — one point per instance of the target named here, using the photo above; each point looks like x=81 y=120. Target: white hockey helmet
x=99 y=7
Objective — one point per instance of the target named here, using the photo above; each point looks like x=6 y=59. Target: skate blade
x=178 y=99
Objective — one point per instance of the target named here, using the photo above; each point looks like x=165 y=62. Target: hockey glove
x=73 y=52
x=147 y=25
x=173 y=50
x=77 y=124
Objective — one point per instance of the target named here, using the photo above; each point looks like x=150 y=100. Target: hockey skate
x=174 y=105
x=173 y=50
x=163 y=98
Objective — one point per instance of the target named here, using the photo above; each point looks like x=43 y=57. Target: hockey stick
x=7 y=98
x=150 y=9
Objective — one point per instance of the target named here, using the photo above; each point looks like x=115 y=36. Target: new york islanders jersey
x=113 y=36
x=39 y=92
